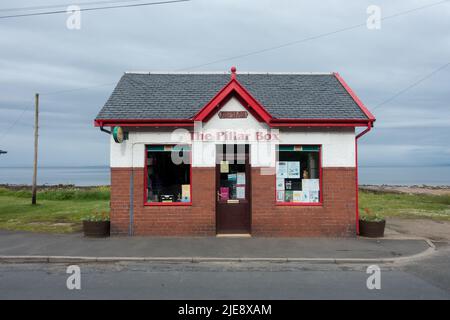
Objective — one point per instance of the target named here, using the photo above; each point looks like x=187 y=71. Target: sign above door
x=233 y=114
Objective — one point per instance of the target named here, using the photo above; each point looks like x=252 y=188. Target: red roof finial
x=233 y=72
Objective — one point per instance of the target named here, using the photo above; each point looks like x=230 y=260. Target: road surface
x=425 y=279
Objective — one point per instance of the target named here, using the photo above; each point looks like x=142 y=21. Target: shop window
x=168 y=174
x=298 y=175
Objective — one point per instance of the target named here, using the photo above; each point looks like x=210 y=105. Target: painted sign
x=118 y=134
x=233 y=114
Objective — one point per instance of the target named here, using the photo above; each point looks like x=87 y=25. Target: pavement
x=34 y=247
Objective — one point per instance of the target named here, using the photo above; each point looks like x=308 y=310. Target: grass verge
x=405 y=205
x=59 y=210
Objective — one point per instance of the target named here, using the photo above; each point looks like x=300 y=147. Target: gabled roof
x=178 y=98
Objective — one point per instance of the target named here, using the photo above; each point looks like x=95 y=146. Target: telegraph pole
x=36 y=127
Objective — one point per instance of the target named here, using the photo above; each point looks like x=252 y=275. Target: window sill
x=299 y=204
x=165 y=204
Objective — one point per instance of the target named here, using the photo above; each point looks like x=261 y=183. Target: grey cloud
x=40 y=54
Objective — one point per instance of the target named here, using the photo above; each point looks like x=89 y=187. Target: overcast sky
x=39 y=54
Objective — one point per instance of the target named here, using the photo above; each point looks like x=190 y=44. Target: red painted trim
x=366 y=111
x=143 y=122
x=171 y=204
x=319 y=120
x=233 y=87
x=369 y=126
x=299 y=204
x=304 y=204
x=324 y=124
x=156 y=204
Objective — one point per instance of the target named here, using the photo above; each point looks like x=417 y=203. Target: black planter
x=96 y=228
x=372 y=229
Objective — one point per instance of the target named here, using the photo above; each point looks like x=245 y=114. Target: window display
x=168 y=173
x=298 y=174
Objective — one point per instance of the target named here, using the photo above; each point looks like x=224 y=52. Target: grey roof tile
x=181 y=96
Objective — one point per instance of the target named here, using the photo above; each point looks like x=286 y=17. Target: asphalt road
x=425 y=279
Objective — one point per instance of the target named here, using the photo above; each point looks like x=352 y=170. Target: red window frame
x=153 y=204
x=302 y=204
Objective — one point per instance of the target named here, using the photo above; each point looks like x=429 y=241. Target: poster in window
x=314 y=196
x=281 y=167
x=232 y=177
x=314 y=185
x=280 y=184
x=224 y=166
x=288 y=184
x=224 y=193
x=310 y=185
x=240 y=178
x=297 y=196
x=305 y=196
x=288 y=196
x=240 y=192
x=293 y=184
x=185 y=193
x=293 y=169
x=280 y=196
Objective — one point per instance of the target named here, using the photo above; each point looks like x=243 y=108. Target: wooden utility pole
x=36 y=127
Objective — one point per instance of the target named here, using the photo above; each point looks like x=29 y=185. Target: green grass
x=59 y=210
x=406 y=205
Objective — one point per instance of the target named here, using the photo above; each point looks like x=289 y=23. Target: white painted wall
x=338 y=144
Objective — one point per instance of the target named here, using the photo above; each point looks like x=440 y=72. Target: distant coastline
x=98 y=175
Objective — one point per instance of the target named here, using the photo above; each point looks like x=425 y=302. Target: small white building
x=266 y=154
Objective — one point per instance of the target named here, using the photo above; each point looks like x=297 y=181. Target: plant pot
x=96 y=228
x=372 y=229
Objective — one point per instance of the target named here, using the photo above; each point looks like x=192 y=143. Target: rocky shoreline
x=414 y=189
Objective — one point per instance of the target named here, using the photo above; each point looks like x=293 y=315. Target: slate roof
x=181 y=96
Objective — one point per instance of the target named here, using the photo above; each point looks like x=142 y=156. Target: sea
x=100 y=175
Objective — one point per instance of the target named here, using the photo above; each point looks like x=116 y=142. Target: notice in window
x=224 y=166
x=240 y=178
x=280 y=196
x=293 y=169
x=297 y=196
x=314 y=196
x=310 y=185
x=224 y=193
x=281 y=168
x=305 y=196
x=185 y=193
x=240 y=192
x=280 y=184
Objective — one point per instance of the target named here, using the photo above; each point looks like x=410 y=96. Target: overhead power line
x=394 y=96
x=277 y=47
x=88 y=3
x=92 y=9
x=321 y=35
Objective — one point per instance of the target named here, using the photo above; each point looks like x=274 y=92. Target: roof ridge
x=226 y=73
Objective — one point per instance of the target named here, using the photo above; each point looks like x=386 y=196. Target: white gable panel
x=249 y=123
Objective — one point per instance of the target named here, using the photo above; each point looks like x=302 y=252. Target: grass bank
x=59 y=209
x=405 y=205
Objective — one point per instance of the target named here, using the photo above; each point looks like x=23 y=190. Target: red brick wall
x=335 y=218
x=196 y=220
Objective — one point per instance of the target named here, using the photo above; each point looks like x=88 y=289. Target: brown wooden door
x=233 y=189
